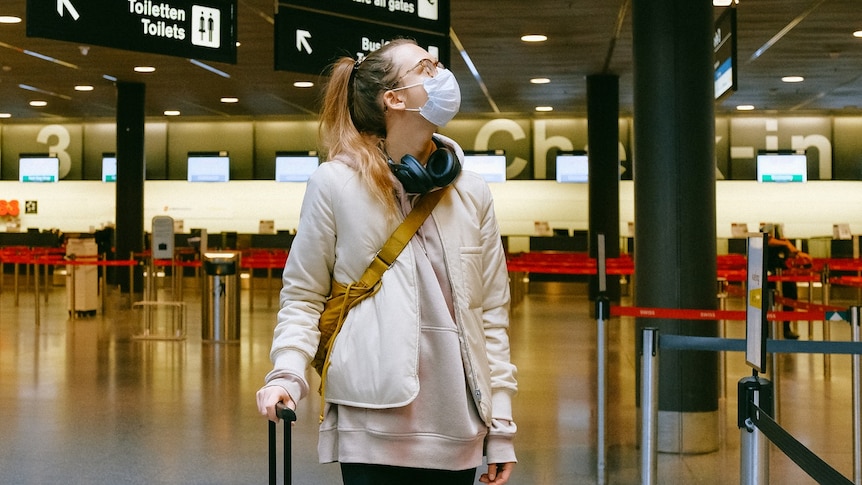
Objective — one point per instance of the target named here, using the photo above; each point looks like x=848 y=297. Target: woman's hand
x=268 y=397
x=498 y=473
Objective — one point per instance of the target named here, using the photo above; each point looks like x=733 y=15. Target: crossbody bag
x=344 y=297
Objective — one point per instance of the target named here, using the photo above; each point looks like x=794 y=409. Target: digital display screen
x=724 y=53
x=491 y=165
x=572 y=168
x=295 y=166
x=208 y=168
x=39 y=169
x=782 y=167
x=109 y=168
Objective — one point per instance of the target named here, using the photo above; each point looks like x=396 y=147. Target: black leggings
x=364 y=474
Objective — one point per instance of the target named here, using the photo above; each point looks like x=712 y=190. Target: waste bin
x=221 y=297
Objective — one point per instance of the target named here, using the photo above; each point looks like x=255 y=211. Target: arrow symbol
x=69 y=7
x=302 y=37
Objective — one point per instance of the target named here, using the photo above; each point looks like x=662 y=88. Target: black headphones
x=442 y=168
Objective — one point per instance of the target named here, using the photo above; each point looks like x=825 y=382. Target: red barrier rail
x=681 y=314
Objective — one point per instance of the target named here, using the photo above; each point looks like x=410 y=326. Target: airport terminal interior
x=85 y=398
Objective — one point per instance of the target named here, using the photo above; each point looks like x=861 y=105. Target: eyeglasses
x=429 y=68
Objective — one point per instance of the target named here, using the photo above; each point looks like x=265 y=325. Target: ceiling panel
x=585 y=37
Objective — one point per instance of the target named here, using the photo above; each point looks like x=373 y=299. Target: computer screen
x=490 y=164
x=208 y=167
x=572 y=167
x=109 y=167
x=295 y=166
x=38 y=168
x=782 y=166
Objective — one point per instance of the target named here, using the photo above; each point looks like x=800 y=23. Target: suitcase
x=287 y=417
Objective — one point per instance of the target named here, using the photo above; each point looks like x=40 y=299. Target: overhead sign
x=195 y=29
x=308 y=38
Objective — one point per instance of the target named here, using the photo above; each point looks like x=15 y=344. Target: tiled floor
x=82 y=402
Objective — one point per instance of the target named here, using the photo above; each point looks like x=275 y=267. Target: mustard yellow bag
x=342 y=298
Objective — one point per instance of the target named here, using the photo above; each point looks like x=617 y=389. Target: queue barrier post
x=649 y=406
x=857 y=399
x=603 y=314
x=753 y=445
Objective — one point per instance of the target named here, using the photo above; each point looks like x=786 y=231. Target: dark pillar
x=130 y=176
x=674 y=188
x=603 y=134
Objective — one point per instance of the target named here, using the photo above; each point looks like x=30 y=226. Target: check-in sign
x=196 y=29
x=309 y=39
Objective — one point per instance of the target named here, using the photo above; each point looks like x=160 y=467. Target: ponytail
x=352 y=119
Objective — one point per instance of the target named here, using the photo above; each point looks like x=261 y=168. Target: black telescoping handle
x=288 y=416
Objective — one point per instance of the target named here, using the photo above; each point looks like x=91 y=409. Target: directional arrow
x=69 y=7
x=302 y=37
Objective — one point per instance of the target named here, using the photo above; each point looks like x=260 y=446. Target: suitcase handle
x=284 y=412
x=288 y=416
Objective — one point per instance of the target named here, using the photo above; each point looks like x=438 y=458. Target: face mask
x=444 y=97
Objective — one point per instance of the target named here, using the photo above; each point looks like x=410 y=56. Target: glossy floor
x=83 y=402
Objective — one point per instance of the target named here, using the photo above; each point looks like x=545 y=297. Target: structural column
x=603 y=133
x=130 y=176
x=674 y=188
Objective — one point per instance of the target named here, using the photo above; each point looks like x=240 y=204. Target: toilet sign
x=310 y=35
x=195 y=29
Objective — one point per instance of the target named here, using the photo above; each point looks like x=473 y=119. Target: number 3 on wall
x=63 y=138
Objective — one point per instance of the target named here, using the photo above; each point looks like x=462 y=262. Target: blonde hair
x=352 y=118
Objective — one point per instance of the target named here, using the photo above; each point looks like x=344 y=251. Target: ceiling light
x=229 y=100
x=145 y=69
x=9 y=19
x=793 y=79
x=544 y=109
x=5 y=115
x=172 y=112
x=84 y=87
x=540 y=80
x=858 y=33
x=303 y=84
x=534 y=38
x=745 y=107
x=38 y=103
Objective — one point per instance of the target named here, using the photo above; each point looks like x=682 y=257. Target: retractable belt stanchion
x=36 y=291
x=753 y=445
x=649 y=406
x=603 y=313
x=827 y=327
x=722 y=329
x=857 y=399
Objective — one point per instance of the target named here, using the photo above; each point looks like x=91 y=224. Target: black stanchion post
x=753 y=445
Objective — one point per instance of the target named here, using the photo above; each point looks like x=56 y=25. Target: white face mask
x=444 y=97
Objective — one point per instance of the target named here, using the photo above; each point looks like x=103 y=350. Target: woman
x=419 y=382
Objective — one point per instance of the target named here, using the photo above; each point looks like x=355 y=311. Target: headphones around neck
x=442 y=168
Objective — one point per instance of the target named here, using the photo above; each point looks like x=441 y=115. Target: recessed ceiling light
x=534 y=38
x=38 y=103
x=540 y=80
x=229 y=100
x=303 y=84
x=858 y=33
x=544 y=108
x=5 y=115
x=9 y=19
x=745 y=107
x=793 y=79
x=145 y=69
x=84 y=87
x=172 y=112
